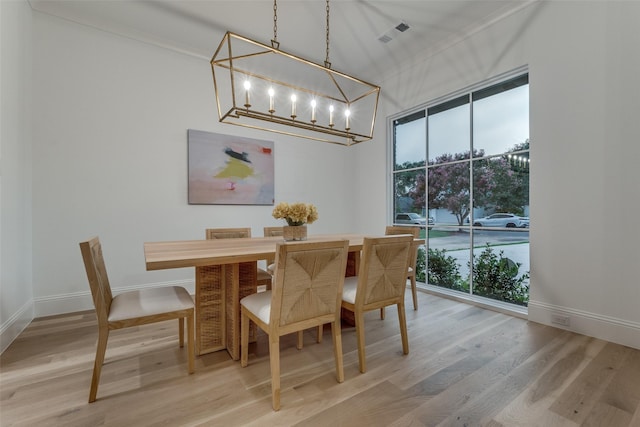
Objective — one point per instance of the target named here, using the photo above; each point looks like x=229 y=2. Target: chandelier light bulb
x=293 y=106
x=331 y=115
x=271 y=93
x=347 y=114
x=313 y=111
x=247 y=86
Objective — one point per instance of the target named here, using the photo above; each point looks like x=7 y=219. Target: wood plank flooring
x=467 y=366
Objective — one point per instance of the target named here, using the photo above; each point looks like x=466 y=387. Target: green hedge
x=494 y=275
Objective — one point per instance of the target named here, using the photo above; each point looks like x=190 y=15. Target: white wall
x=110 y=159
x=585 y=152
x=16 y=297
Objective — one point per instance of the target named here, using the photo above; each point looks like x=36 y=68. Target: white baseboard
x=65 y=303
x=81 y=301
x=607 y=328
x=15 y=325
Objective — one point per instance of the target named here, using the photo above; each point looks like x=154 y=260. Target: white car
x=508 y=220
x=412 y=218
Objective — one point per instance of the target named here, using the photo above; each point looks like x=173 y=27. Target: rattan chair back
x=394 y=230
x=308 y=282
x=228 y=233
x=383 y=270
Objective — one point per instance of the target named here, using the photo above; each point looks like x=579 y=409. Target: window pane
x=410 y=141
x=447 y=259
x=449 y=132
x=409 y=188
x=501 y=265
x=449 y=193
x=501 y=185
x=501 y=121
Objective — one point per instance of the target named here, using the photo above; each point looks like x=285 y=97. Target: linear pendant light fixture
x=262 y=87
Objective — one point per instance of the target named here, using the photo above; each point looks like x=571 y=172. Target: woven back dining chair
x=307 y=293
x=394 y=230
x=381 y=281
x=132 y=308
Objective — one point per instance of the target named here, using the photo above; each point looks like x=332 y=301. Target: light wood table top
x=198 y=253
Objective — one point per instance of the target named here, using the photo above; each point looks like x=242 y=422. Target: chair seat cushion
x=259 y=304
x=148 y=302
x=349 y=289
x=271 y=268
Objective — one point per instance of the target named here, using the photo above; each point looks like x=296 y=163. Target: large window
x=461 y=167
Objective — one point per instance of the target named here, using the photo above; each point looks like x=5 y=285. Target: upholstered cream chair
x=132 y=308
x=264 y=278
x=392 y=230
x=306 y=293
x=381 y=281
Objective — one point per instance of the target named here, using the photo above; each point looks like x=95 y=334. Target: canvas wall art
x=229 y=170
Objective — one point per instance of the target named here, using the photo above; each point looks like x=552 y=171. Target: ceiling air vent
x=393 y=31
x=402 y=27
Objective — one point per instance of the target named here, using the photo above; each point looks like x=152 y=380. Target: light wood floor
x=467 y=367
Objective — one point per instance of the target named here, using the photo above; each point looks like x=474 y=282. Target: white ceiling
x=196 y=27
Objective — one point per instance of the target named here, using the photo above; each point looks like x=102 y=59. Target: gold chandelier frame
x=332 y=106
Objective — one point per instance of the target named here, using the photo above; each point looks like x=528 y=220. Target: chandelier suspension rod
x=326 y=60
x=274 y=42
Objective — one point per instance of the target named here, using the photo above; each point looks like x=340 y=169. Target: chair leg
x=359 y=317
x=274 y=359
x=244 y=338
x=382 y=313
x=190 y=319
x=336 y=333
x=403 y=328
x=101 y=348
x=414 y=292
x=319 y=335
x=300 y=340
x=181 y=331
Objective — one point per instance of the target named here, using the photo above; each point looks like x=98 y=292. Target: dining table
x=226 y=272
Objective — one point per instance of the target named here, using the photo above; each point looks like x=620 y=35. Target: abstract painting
x=229 y=170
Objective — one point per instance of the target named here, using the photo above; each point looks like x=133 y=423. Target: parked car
x=412 y=218
x=502 y=220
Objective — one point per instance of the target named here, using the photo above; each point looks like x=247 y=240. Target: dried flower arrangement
x=296 y=213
